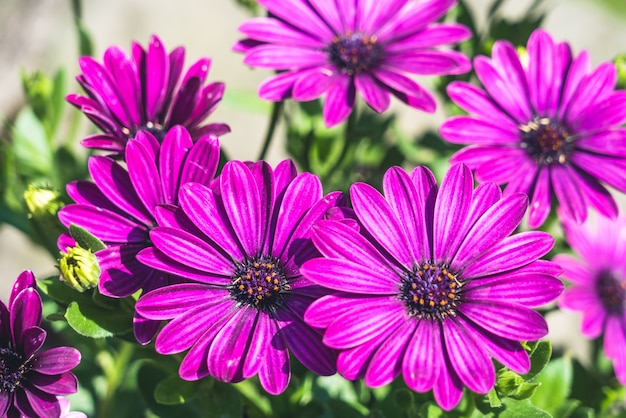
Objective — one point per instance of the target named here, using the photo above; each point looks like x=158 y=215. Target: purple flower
x=145 y=91
x=598 y=277
x=30 y=380
x=432 y=286
x=338 y=48
x=121 y=206
x=549 y=128
x=242 y=244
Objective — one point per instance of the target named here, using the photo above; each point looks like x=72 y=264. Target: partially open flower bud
x=79 y=268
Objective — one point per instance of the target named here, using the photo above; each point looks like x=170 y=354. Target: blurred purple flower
x=145 y=91
x=242 y=244
x=339 y=48
x=31 y=380
x=433 y=286
x=121 y=206
x=552 y=127
x=598 y=277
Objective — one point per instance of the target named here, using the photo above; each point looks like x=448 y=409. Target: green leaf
x=223 y=400
x=61 y=292
x=521 y=409
x=174 y=391
x=494 y=399
x=556 y=383
x=31 y=147
x=57 y=101
x=95 y=322
x=85 y=239
x=539 y=358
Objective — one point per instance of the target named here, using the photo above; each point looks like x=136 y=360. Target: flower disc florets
x=612 y=293
x=354 y=53
x=545 y=141
x=430 y=291
x=259 y=282
x=12 y=369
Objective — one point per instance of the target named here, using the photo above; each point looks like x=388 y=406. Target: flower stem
x=347 y=140
x=277 y=108
x=115 y=368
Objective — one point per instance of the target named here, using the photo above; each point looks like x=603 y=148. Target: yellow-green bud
x=620 y=66
x=79 y=268
x=42 y=202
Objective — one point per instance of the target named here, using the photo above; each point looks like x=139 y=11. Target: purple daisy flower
x=340 y=47
x=30 y=381
x=432 y=286
x=145 y=92
x=242 y=244
x=552 y=127
x=598 y=278
x=121 y=206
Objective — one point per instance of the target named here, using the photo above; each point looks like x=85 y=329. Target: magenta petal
x=176 y=144
x=506 y=320
x=386 y=363
x=339 y=101
x=190 y=250
x=299 y=14
x=227 y=353
x=155 y=259
x=59 y=384
x=448 y=388
x=325 y=310
x=374 y=93
x=279 y=87
x=337 y=240
x=451 y=210
x=568 y=193
x=404 y=201
x=37 y=403
x=156 y=79
x=25 y=280
x=420 y=368
x=314 y=82
x=175 y=300
x=405 y=89
x=26 y=312
x=272 y=30
x=540 y=199
x=56 y=360
x=528 y=289
x=541 y=70
x=350 y=277
x=468 y=358
x=498 y=222
x=282 y=57
x=201 y=206
x=104 y=224
x=143 y=173
x=380 y=221
x=274 y=371
x=575 y=270
x=352 y=363
x=242 y=197
x=32 y=340
x=512 y=252
x=346 y=332
x=306 y=345
x=469 y=130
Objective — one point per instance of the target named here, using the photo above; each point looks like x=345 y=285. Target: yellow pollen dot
x=421 y=301
x=443 y=302
x=431 y=303
x=256 y=264
x=259 y=288
x=451 y=295
x=241 y=287
x=414 y=298
x=275 y=288
x=250 y=291
x=413 y=286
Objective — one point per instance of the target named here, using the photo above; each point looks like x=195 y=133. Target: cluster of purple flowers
x=245 y=269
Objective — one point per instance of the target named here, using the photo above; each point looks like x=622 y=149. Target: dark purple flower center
x=12 y=369
x=430 y=291
x=545 y=141
x=354 y=53
x=612 y=293
x=259 y=282
x=155 y=129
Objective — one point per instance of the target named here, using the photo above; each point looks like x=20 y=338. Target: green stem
x=277 y=109
x=347 y=140
x=114 y=370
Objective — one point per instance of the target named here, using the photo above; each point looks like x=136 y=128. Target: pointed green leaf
x=85 y=239
x=174 y=390
x=539 y=358
x=556 y=383
x=95 y=322
x=31 y=147
x=521 y=409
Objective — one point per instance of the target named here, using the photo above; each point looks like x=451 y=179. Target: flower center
x=12 y=369
x=430 y=291
x=155 y=129
x=545 y=141
x=354 y=53
x=259 y=282
x=612 y=293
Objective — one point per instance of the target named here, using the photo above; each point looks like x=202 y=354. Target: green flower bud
x=79 y=268
x=42 y=202
x=620 y=66
x=38 y=88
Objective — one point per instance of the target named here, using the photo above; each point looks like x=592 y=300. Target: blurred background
x=40 y=35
